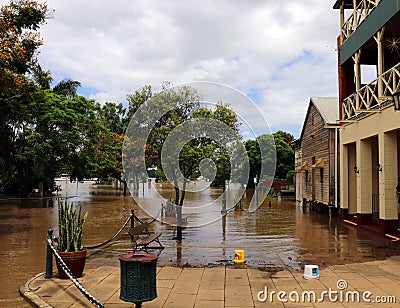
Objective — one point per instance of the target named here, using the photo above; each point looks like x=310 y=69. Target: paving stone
x=209 y=304
x=225 y=287
x=311 y=284
x=213 y=285
x=282 y=274
x=180 y=301
x=165 y=283
x=232 y=291
x=169 y=272
x=239 y=301
x=207 y=294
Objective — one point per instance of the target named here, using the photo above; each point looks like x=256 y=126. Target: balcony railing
x=360 y=13
x=372 y=95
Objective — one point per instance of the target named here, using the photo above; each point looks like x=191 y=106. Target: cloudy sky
x=278 y=52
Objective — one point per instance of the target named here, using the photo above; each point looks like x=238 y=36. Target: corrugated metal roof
x=328 y=107
x=348 y=4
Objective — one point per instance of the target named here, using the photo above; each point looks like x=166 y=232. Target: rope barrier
x=67 y=271
x=111 y=238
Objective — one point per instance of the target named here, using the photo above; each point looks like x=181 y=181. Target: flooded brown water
x=283 y=235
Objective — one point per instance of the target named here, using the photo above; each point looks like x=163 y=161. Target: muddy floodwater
x=281 y=234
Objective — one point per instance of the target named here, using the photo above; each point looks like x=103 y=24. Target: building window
x=321 y=173
x=312 y=119
x=306 y=175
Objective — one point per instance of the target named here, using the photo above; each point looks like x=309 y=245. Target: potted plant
x=239 y=205
x=70 y=249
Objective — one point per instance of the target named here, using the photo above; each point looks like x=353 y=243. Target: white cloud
x=283 y=51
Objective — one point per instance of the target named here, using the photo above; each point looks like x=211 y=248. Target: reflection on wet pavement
x=283 y=235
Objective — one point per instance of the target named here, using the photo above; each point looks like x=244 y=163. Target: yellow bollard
x=239 y=256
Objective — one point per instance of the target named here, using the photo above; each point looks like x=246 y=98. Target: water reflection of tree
x=184 y=139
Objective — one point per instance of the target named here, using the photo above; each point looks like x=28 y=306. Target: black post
x=132 y=218
x=179 y=223
x=224 y=211
x=49 y=256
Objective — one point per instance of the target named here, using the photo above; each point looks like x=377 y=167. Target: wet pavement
x=282 y=236
x=369 y=284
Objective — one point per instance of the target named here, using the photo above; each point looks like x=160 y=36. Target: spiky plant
x=70 y=226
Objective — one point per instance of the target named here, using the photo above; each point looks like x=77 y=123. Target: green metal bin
x=138 y=277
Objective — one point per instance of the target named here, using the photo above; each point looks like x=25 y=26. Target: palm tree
x=42 y=78
x=67 y=87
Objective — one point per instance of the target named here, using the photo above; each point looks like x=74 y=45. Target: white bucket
x=311 y=272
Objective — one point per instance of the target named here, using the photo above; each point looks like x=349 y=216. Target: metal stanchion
x=49 y=257
x=132 y=218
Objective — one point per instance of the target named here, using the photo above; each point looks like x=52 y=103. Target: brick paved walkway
x=224 y=286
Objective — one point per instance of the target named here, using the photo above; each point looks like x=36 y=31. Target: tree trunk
x=125 y=187
x=41 y=178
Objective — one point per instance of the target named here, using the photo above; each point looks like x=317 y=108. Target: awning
x=304 y=166
x=319 y=164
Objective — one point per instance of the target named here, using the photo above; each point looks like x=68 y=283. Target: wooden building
x=369 y=43
x=318 y=171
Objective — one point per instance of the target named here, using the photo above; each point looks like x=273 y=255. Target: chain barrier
x=67 y=271
x=113 y=237
x=151 y=221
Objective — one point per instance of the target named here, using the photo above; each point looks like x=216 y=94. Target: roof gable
x=327 y=107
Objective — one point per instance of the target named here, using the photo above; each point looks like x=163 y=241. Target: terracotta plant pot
x=75 y=262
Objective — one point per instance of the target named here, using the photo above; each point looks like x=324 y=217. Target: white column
x=364 y=178
x=344 y=177
x=388 y=176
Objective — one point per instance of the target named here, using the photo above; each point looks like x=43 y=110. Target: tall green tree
x=284 y=158
x=285 y=136
x=42 y=78
x=19 y=42
x=67 y=88
x=283 y=152
x=176 y=110
x=254 y=154
x=105 y=151
x=49 y=141
x=113 y=116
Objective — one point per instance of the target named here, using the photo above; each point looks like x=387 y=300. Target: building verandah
x=371 y=151
x=369 y=134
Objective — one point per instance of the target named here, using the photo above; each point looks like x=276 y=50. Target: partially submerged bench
x=141 y=237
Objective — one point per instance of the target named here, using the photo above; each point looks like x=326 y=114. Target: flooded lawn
x=283 y=235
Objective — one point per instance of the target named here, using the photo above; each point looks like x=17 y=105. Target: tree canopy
x=284 y=155
x=47 y=130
